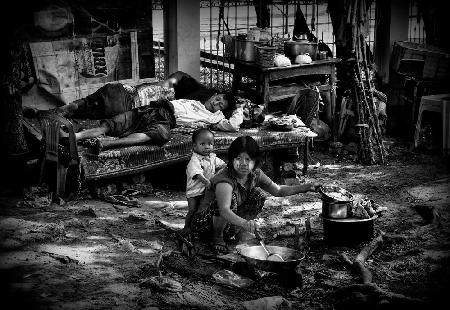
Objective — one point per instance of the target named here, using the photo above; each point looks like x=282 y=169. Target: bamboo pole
x=363 y=103
x=372 y=107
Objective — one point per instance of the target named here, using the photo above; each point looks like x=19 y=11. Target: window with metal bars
x=222 y=17
x=416 y=27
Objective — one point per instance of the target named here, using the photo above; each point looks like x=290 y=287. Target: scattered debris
x=133 y=218
x=124 y=243
x=162 y=283
x=272 y=201
x=187 y=246
x=87 y=212
x=268 y=303
x=36 y=197
x=230 y=278
x=429 y=214
x=157 y=205
x=123 y=200
x=371 y=296
x=62 y=258
x=18 y=232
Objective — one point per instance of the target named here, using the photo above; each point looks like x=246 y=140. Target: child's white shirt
x=200 y=164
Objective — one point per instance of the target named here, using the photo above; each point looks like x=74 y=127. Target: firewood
x=302 y=239
x=360 y=295
x=61 y=258
x=370 y=248
x=364 y=273
x=394 y=238
x=363 y=294
x=358 y=265
x=297 y=238
x=344 y=258
x=308 y=229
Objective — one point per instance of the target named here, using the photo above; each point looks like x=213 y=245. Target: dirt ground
x=90 y=254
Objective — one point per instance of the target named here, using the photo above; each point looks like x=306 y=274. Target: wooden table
x=265 y=76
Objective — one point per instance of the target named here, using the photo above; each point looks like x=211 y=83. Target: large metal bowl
x=347 y=231
x=294 y=48
x=256 y=256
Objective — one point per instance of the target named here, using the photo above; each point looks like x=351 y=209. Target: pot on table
x=244 y=49
x=294 y=48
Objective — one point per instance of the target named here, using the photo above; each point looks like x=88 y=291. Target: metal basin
x=347 y=231
x=333 y=207
x=294 y=48
x=256 y=257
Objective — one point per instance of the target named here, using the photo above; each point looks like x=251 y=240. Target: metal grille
x=240 y=16
x=416 y=27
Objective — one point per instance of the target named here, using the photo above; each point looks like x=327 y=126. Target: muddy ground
x=90 y=254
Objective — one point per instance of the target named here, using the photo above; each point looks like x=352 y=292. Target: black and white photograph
x=224 y=154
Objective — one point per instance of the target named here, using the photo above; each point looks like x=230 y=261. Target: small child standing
x=200 y=169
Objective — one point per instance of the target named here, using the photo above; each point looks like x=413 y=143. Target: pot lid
x=336 y=193
x=300 y=42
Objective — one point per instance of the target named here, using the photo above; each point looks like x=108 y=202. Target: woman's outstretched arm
x=287 y=190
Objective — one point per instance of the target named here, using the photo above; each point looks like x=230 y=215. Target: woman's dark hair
x=198 y=132
x=244 y=144
x=231 y=100
x=185 y=85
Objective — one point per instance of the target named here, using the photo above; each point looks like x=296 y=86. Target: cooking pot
x=336 y=201
x=256 y=256
x=294 y=48
x=244 y=50
x=347 y=231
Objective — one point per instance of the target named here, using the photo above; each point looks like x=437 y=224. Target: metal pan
x=332 y=207
x=326 y=191
x=256 y=256
x=347 y=231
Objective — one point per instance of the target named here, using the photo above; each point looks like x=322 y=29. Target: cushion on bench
x=135 y=159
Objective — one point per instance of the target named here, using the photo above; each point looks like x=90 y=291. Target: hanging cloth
x=221 y=19
x=300 y=25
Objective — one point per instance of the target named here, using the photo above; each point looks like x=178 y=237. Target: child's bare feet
x=219 y=245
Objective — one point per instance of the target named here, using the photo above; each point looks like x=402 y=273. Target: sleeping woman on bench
x=115 y=105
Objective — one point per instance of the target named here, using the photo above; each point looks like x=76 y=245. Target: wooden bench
x=136 y=159
x=125 y=161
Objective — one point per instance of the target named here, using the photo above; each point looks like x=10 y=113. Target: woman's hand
x=250 y=226
x=314 y=187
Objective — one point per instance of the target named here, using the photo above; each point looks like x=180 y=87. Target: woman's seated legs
x=214 y=228
x=217 y=240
